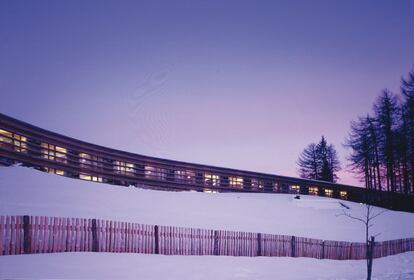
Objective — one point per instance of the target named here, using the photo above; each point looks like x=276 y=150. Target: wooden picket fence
x=33 y=234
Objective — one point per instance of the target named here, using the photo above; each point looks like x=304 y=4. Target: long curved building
x=47 y=151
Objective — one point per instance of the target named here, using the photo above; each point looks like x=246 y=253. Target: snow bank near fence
x=27 y=191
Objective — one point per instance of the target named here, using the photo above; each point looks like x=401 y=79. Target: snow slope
x=158 y=267
x=26 y=191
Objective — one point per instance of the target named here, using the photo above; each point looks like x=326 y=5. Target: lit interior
x=211 y=179
x=55 y=171
x=154 y=172
x=90 y=178
x=328 y=192
x=295 y=189
x=313 y=190
x=236 y=182
x=53 y=152
x=19 y=142
x=209 y=191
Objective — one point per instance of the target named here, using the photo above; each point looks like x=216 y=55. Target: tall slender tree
x=407 y=89
x=364 y=155
x=382 y=146
x=360 y=157
x=386 y=114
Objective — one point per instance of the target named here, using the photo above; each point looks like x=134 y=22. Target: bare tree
x=370 y=214
x=382 y=145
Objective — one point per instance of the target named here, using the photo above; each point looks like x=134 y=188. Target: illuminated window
x=209 y=191
x=90 y=178
x=12 y=140
x=294 y=189
x=343 y=194
x=55 y=171
x=60 y=172
x=186 y=176
x=236 y=182
x=328 y=192
x=125 y=168
x=20 y=143
x=276 y=187
x=257 y=184
x=211 y=180
x=152 y=172
x=53 y=152
x=90 y=161
x=313 y=190
x=6 y=136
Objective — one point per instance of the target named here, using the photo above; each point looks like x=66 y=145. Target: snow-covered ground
x=155 y=267
x=26 y=191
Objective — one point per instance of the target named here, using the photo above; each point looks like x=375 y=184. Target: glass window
x=328 y=192
x=276 y=187
x=294 y=189
x=53 y=152
x=88 y=177
x=125 y=168
x=257 y=185
x=209 y=191
x=343 y=194
x=13 y=141
x=150 y=172
x=236 y=182
x=211 y=180
x=90 y=161
x=153 y=172
x=313 y=190
x=186 y=176
x=55 y=171
x=6 y=136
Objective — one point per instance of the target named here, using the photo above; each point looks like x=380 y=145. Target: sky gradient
x=241 y=84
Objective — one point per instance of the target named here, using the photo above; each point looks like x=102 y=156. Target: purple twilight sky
x=241 y=84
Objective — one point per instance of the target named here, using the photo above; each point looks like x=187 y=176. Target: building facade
x=47 y=151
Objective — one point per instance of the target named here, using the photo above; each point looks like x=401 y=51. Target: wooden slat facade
x=24 y=143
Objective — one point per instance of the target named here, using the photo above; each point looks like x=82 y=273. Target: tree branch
x=352 y=217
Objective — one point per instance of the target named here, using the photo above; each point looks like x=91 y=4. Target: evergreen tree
x=319 y=162
x=308 y=163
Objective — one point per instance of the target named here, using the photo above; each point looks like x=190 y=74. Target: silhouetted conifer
x=319 y=162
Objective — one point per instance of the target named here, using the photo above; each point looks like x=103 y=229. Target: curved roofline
x=171 y=161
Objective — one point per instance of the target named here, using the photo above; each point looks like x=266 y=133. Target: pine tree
x=319 y=162
x=308 y=163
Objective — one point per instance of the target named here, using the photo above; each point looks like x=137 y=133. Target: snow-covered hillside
x=26 y=191
x=158 y=267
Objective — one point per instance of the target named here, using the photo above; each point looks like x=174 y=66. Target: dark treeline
x=382 y=143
